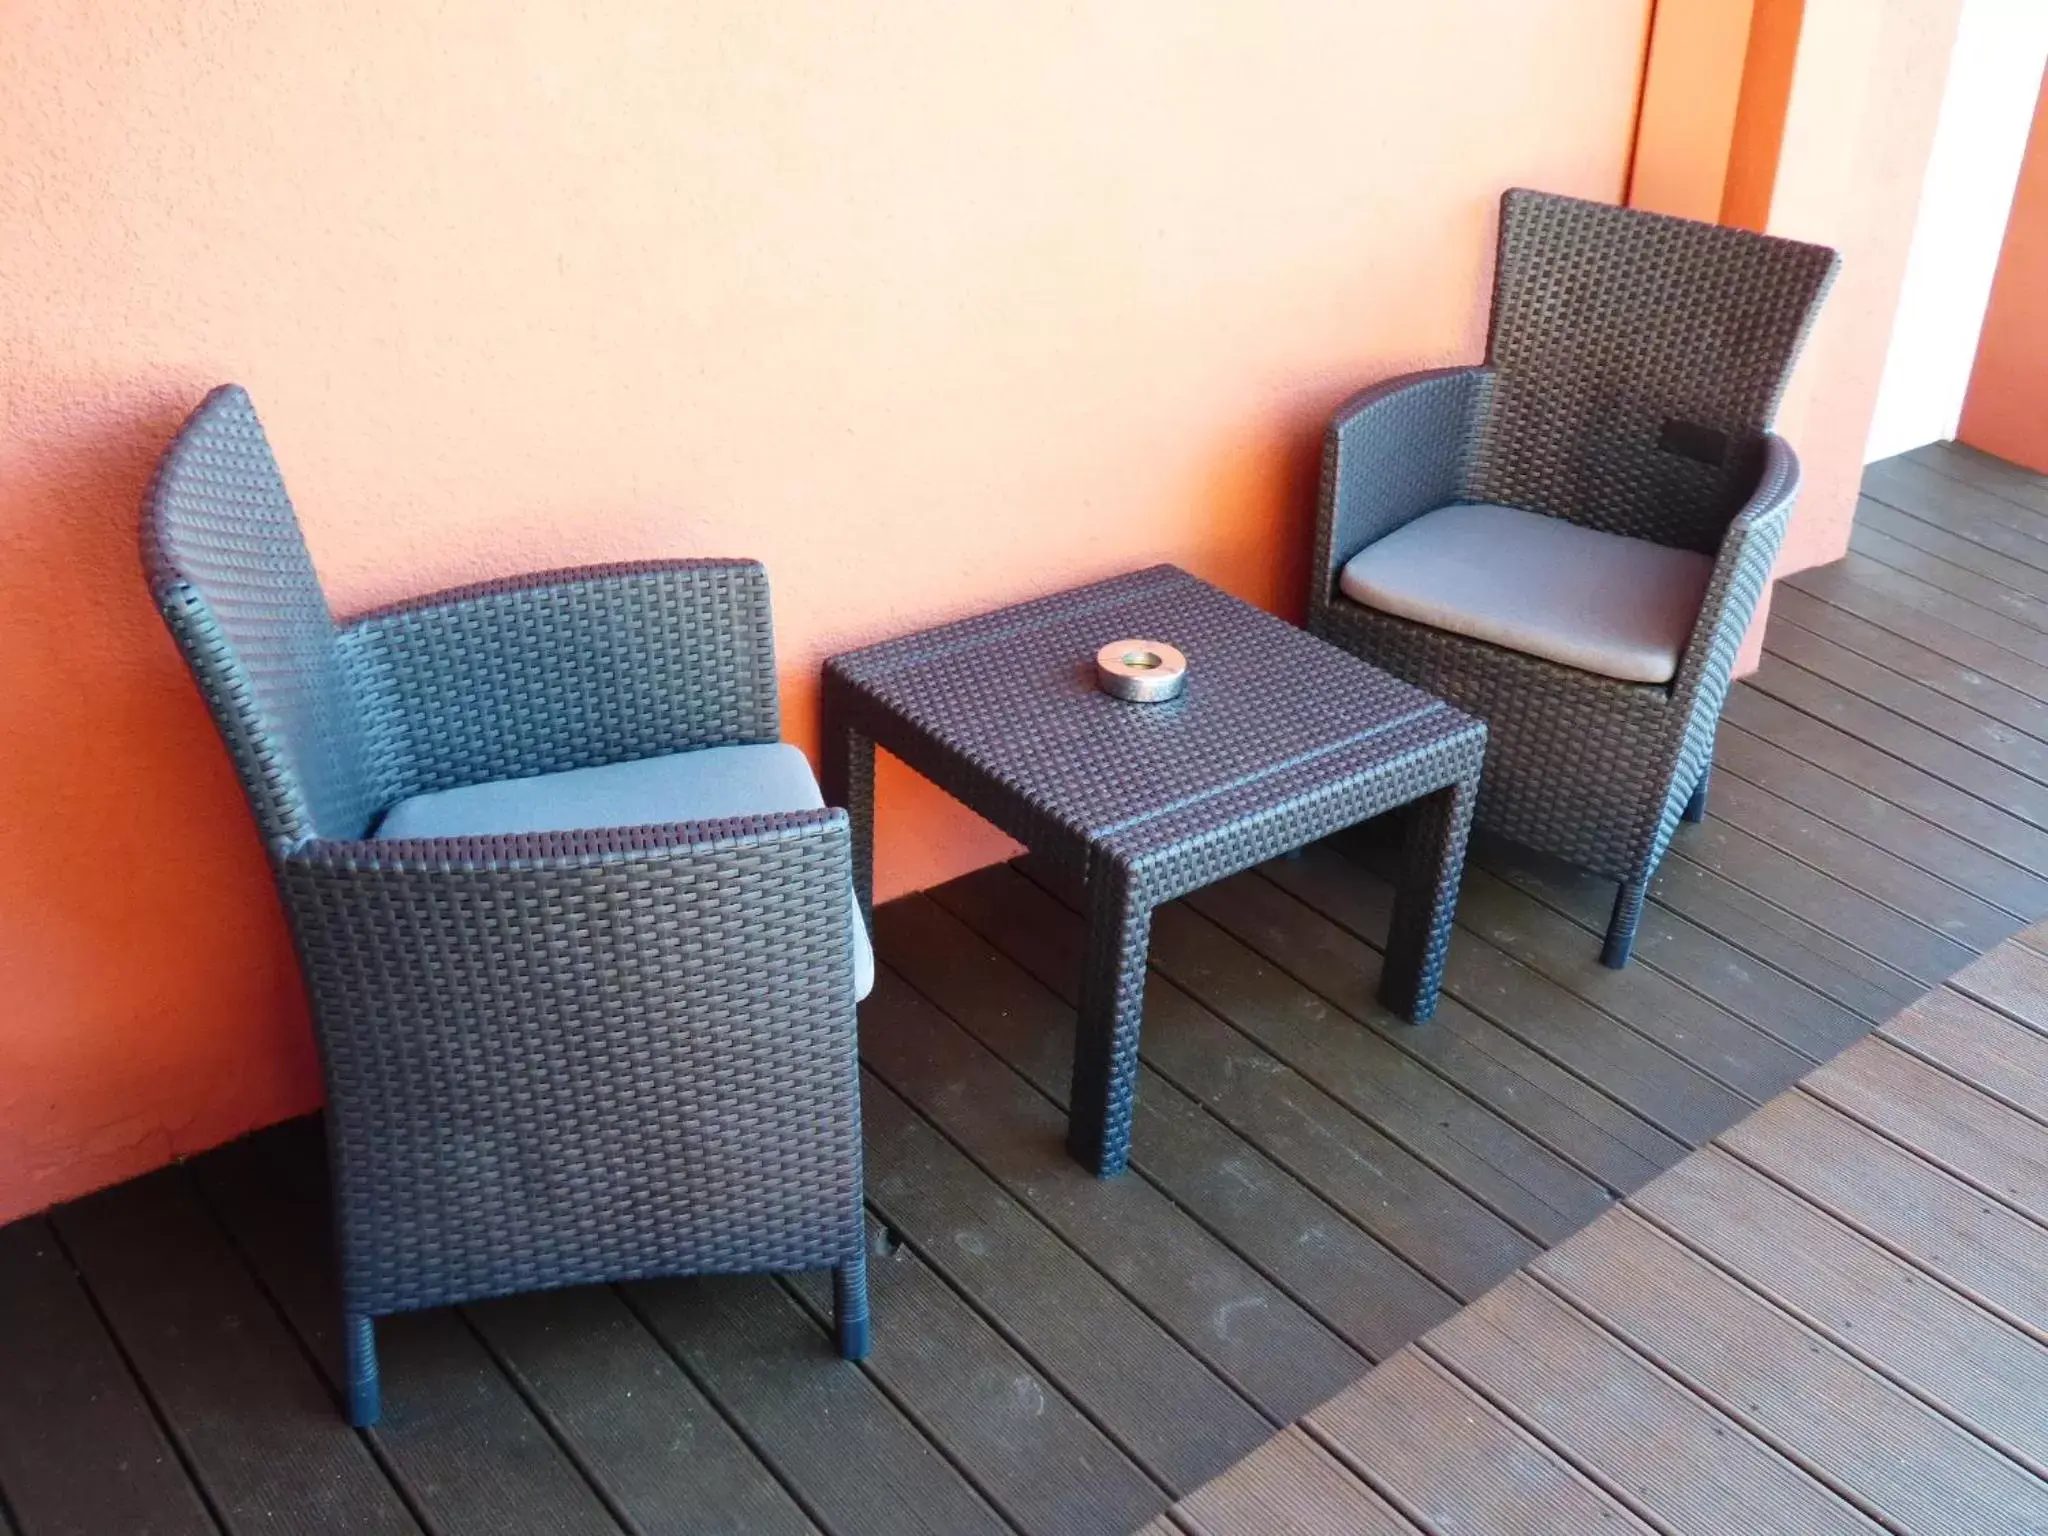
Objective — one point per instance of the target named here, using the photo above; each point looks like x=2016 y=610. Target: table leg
x=1106 y=1035
x=848 y=780
x=1419 y=936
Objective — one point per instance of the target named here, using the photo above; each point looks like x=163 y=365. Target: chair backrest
x=1638 y=360
x=231 y=576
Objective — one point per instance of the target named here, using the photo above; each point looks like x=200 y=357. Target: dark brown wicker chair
x=1633 y=366
x=579 y=939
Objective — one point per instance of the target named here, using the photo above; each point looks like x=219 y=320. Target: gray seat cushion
x=684 y=786
x=1623 y=608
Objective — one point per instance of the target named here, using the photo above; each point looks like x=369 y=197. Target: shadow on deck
x=1315 y=1185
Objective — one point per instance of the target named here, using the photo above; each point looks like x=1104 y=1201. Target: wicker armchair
x=571 y=1031
x=1633 y=367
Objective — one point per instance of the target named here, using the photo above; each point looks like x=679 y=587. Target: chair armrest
x=565 y=669
x=634 y=1048
x=1742 y=569
x=1394 y=452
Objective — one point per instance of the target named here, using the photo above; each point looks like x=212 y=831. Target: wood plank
x=1640 y=1073
x=467 y=1449
x=249 y=1414
x=80 y=1447
x=1876 y=771
x=1513 y=1173
x=1989 y=1253
x=1961 y=509
x=1452 y=1461
x=1891 y=608
x=1981 y=1046
x=1793 y=609
x=1290 y=1486
x=1983 y=1373
x=1614 y=1145
x=1167 y=1409
x=1722 y=941
x=1867 y=1438
x=1771 y=1028
x=1903 y=835
x=1831 y=905
x=2013 y=979
x=1439 y=1228
x=1217 y=1305
x=637 y=1426
x=1958 y=549
x=2022 y=612
x=1364 y=1290
x=847 y=1452
x=1731 y=1049
x=1885 y=690
x=996 y=1417
x=1936 y=904
x=1857 y=573
x=2014 y=487
x=1699 y=962
x=1947 y=753
x=1626 y=1424
x=1945 y=1121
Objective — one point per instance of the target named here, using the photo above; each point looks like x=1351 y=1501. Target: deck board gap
x=165 y=1427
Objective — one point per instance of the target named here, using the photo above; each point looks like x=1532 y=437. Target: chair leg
x=1696 y=807
x=1621 y=929
x=359 y=1350
x=850 y=1307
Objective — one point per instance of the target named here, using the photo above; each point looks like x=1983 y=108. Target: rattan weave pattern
x=540 y=674
x=1277 y=740
x=607 y=1088
x=1585 y=373
x=222 y=552
x=1610 y=322
x=549 y=1058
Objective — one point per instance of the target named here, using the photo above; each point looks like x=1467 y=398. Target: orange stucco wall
x=2006 y=410
x=1765 y=94
x=1811 y=119
x=1865 y=96
x=931 y=305
x=1692 y=89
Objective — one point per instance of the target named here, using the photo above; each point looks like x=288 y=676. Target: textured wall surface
x=930 y=304
x=1866 y=96
x=1987 y=107
x=1692 y=93
x=2006 y=410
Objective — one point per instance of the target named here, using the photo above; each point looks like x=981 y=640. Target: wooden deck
x=1315 y=1184
x=1834 y=1318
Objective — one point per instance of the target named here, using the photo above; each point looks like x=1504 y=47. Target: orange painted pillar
x=1758 y=134
x=2006 y=410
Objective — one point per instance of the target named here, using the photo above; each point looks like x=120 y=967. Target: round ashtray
x=1143 y=671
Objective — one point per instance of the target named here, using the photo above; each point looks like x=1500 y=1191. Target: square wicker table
x=1277 y=740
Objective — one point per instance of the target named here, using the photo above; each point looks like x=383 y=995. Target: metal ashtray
x=1143 y=671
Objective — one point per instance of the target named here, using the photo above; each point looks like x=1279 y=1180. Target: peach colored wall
x=932 y=305
x=1691 y=90
x=1866 y=94
x=2006 y=410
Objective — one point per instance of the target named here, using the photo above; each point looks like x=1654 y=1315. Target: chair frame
x=550 y=1059
x=1587 y=768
